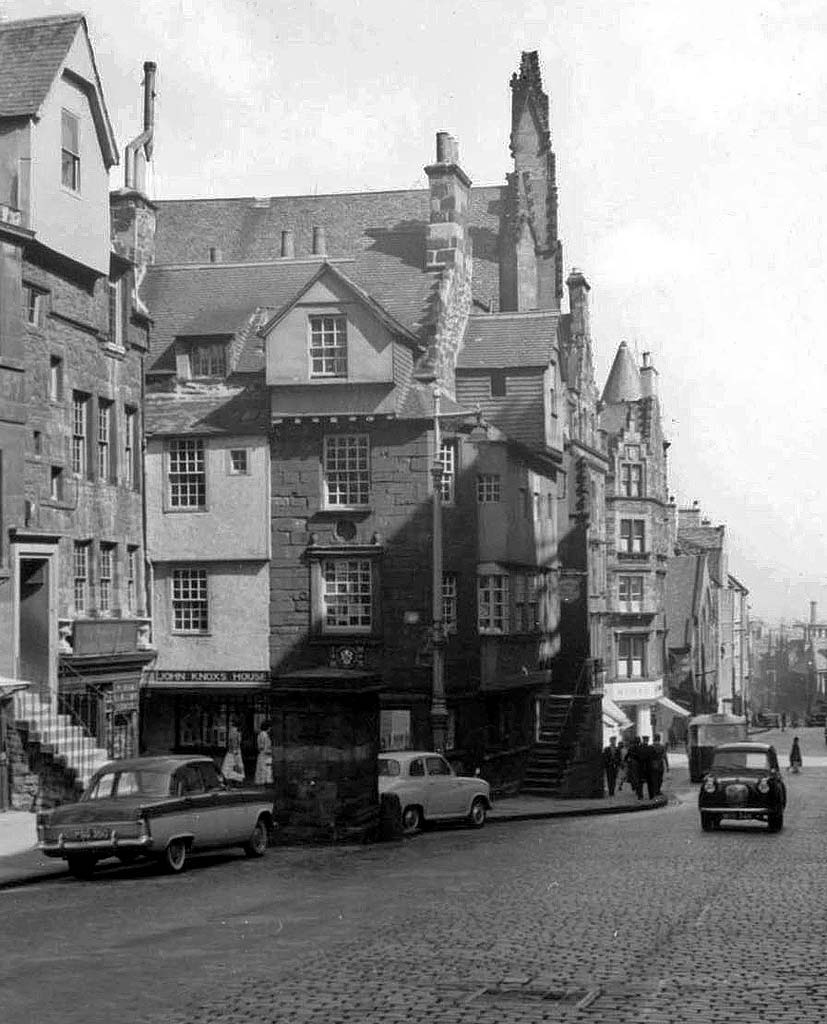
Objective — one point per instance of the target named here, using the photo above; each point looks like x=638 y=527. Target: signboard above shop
x=172 y=679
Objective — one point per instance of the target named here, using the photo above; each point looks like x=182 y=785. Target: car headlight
x=763 y=785
x=709 y=785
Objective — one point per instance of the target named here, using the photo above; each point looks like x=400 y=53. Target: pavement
x=21 y=863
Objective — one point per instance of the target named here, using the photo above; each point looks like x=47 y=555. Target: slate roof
x=681 y=585
x=508 y=340
x=31 y=53
x=623 y=383
x=704 y=538
x=216 y=410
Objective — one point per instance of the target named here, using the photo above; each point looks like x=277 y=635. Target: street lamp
x=439 y=710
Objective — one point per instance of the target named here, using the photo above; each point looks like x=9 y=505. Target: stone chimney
x=288 y=246
x=579 y=290
x=447 y=241
x=319 y=242
x=648 y=377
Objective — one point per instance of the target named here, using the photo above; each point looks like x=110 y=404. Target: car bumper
x=737 y=812
x=99 y=847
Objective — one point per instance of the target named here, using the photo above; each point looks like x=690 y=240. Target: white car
x=430 y=790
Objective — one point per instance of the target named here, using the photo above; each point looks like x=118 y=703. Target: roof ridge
x=279 y=261
x=311 y=195
x=531 y=314
x=50 y=19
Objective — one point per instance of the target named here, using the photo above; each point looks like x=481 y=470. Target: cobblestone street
x=628 y=919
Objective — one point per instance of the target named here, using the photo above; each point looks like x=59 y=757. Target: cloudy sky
x=690 y=155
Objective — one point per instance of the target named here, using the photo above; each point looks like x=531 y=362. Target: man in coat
x=660 y=762
x=611 y=762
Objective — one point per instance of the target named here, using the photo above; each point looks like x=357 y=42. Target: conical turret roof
x=623 y=384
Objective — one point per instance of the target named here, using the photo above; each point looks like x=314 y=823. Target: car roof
x=407 y=755
x=755 y=748
x=158 y=762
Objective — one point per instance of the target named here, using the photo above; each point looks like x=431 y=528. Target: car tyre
x=175 y=856
x=256 y=845
x=82 y=866
x=476 y=816
x=412 y=820
x=775 y=822
x=707 y=822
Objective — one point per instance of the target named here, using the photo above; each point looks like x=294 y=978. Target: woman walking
x=795 y=757
x=264 y=761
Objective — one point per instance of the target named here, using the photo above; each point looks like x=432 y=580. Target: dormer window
x=70 y=151
x=328 y=346
x=208 y=359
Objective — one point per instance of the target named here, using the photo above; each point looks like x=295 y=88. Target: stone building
x=691 y=633
x=73 y=336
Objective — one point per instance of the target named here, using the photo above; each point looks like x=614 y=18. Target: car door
x=444 y=791
x=224 y=806
x=416 y=785
x=204 y=807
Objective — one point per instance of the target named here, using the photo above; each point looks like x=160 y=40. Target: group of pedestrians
x=638 y=764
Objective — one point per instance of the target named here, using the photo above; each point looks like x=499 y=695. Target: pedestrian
x=795 y=757
x=232 y=767
x=264 y=761
x=622 y=751
x=660 y=759
x=634 y=767
x=783 y=720
x=610 y=764
x=647 y=768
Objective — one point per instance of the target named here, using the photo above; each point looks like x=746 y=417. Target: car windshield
x=137 y=782
x=735 y=759
x=389 y=766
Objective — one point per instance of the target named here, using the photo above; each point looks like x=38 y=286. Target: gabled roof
x=32 y=53
x=710 y=539
x=503 y=340
x=210 y=410
x=623 y=383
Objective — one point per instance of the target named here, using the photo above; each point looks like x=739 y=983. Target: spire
x=527 y=91
x=623 y=384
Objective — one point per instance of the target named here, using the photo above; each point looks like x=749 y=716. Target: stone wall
x=36 y=781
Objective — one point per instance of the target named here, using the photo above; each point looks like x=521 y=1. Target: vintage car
x=429 y=790
x=157 y=807
x=744 y=781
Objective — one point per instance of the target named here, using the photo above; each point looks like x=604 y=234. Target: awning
x=8 y=687
x=676 y=709
x=615 y=714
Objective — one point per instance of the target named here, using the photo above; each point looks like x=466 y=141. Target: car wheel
x=775 y=822
x=82 y=866
x=707 y=822
x=256 y=845
x=476 y=816
x=411 y=820
x=175 y=856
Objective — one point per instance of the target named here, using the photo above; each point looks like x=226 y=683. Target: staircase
x=549 y=759
x=65 y=741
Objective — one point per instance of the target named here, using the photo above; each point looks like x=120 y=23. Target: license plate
x=83 y=835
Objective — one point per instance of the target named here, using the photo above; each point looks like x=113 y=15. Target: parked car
x=157 y=807
x=744 y=781
x=430 y=790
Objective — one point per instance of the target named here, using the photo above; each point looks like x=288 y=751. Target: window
x=448 y=461
x=55 y=378
x=538 y=508
x=105 y=564
x=346 y=470
x=631 y=479
x=437 y=766
x=208 y=359
x=129 y=421
x=131 y=580
x=630 y=652
x=328 y=346
x=37 y=439
x=518 y=592
x=56 y=484
x=498 y=385
x=116 y=312
x=632 y=536
x=80 y=568
x=630 y=591
x=187 y=474
x=347 y=595
x=239 y=464
x=394 y=734
x=33 y=298
x=189 y=601
x=488 y=488
x=104 y=438
x=449 y=601
x=80 y=412
x=70 y=151
x=492 y=603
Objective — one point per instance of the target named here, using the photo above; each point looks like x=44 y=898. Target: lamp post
x=439 y=711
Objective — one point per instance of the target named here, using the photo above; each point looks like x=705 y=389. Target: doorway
x=33 y=623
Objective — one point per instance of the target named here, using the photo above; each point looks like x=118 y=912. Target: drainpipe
x=439 y=711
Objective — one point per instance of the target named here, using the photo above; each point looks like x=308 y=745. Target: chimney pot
x=813 y=612
x=319 y=242
x=447 y=148
x=150 y=68
x=288 y=249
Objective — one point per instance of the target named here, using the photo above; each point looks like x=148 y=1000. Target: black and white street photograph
x=413 y=565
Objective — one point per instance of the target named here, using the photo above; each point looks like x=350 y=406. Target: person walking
x=634 y=767
x=647 y=766
x=264 y=761
x=622 y=752
x=660 y=759
x=610 y=764
x=796 y=760
x=232 y=767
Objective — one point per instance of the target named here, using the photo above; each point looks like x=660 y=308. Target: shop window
x=395 y=729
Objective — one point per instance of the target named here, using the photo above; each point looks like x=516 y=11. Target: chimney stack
x=689 y=516
x=813 y=612
x=648 y=377
x=215 y=254
x=579 y=290
x=447 y=242
x=288 y=248
x=150 y=68
x=319 y=242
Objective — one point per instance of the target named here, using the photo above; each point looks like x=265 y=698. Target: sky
x=691 y=152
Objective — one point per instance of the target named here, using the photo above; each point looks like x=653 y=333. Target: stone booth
x=325 y=731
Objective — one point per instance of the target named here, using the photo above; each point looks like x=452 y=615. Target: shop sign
x=124 y=696
x=186 y=676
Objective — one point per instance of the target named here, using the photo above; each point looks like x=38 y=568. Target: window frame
x=189 y=615
x=104 y=439
x=489 y=488
x=632 y=600
x=70 y=157
x=56 y=482
x=448 y=458
x=348 y=482
x=364 y=568
x=55 y=378
x=628 y=545
x=631 y=480
x=210 y=358
x=189 y=456
x=107 y=561
x=131 y=580
x=80 y=576
x=130 y=423
x=332 y=357
x=232 y=469
x=80 y=432
x=449 y=601
x=631 y=642
x=117 y=313
x=493 y=612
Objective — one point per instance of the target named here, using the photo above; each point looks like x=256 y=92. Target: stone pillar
x=643 y=720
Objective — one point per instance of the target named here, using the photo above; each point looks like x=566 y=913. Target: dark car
x=157 y=807
x=743 y=782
